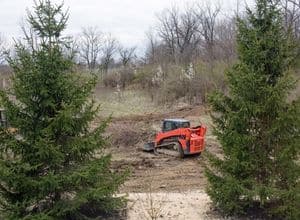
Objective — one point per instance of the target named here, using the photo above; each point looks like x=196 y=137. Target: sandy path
x=192 y=205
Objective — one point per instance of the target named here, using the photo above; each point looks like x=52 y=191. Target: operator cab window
x=181 y=125
x=185 y=125
x=168 y=126
x=173 y=125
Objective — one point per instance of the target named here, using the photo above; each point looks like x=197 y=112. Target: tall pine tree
x=53 y=166
x=258 y=128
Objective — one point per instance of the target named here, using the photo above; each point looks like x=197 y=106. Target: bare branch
x=225 y=39
x=110 y=47
x=152 y=45
x=291 y=12
x=91 y=41
x=178 y=31
x=207 y=16
x=126 y=54
x=2 y=48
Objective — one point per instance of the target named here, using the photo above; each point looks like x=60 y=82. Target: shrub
x=126 y=76
x=111 y=79
x=191 y=84
x=123 y=76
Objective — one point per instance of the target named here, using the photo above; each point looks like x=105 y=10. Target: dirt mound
x=144 y=163
x=178 y=113
x=129 y=134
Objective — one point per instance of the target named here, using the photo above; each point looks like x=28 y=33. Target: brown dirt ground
x=160 y=173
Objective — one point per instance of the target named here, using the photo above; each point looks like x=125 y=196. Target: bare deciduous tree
x=152 y=44
x=291 y=10
x=2 y=48
x=225 y=38
x=90 y=46
x=207 y=16
x=156 y=51
x=166 y=31
x=179 y=33
x=126 y=54
x=187 y=35
x=110 y=47
x=72 y=49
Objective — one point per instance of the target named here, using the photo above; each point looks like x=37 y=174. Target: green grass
x=128 y=102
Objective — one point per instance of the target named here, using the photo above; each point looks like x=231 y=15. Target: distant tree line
x=203 y=31
x=200 y=31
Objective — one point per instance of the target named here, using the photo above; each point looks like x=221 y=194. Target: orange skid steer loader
x=178 y=139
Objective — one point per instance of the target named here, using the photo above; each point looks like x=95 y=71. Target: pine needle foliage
x=256 y=125
x=52 y=164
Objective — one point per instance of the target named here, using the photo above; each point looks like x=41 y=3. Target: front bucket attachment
x=149 y=147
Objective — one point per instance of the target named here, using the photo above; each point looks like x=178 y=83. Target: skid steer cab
x=177 y=138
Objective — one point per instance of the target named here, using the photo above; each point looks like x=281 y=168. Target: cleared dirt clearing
x=173 y=188
x=165 y=173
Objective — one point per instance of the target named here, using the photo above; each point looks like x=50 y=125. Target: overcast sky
x=127 y=20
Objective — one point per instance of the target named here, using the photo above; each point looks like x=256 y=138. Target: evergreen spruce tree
x=48 y=165
x=258 y=128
